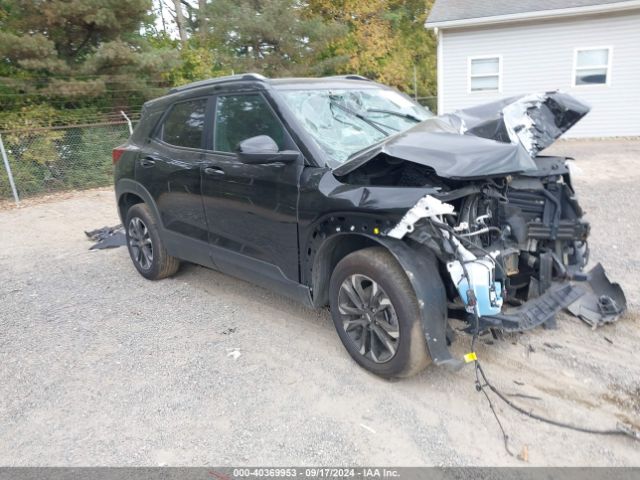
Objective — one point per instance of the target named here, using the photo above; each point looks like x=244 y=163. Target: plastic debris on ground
x=107 y=237
x=235 y=354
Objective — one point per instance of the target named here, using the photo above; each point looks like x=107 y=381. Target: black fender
x=429 y=289
x=126 y=185
x=415 y=259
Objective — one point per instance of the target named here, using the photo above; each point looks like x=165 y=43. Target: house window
x=591 y=66
x=484 y=74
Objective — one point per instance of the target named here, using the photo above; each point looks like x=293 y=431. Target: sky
x=164 y=10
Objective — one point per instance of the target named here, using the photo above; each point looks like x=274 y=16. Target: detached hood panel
x=494 y=139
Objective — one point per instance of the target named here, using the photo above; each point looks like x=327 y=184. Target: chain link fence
x=47 y=160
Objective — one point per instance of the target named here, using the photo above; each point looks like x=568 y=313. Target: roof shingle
x=448 y=10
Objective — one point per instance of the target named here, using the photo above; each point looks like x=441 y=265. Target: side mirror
x=263 y=149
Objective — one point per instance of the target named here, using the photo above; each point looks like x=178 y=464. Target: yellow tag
x=470 y=357
x=376 y=230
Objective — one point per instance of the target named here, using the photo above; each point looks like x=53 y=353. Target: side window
x=239 y=117
x=184 y=124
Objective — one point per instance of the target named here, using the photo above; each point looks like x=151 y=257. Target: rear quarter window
x=184 y=124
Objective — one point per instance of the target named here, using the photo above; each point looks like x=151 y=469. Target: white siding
x=539 y=57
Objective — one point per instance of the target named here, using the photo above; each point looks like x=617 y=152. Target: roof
x=458 y=13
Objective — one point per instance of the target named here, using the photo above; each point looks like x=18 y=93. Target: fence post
x=9 y=174
x=128 y=121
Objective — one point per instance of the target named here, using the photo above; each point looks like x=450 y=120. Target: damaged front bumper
x=511 y=281
x=595 y=300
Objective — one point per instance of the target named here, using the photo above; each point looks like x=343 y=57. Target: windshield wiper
x=364 y=118
x=408 y=116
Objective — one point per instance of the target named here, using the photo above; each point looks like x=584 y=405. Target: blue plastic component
x=488 y=301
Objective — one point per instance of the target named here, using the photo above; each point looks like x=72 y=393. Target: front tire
x=145 y=246
x=376 y=314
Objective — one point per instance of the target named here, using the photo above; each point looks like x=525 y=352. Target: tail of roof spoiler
x=535 y=121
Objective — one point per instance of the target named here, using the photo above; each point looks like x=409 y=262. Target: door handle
x=147 y=162
x=213 y=171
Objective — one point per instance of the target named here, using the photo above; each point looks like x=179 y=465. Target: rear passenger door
x=169 y=168
x=251 y=209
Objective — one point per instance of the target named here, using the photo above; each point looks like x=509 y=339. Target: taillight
x=117 y=153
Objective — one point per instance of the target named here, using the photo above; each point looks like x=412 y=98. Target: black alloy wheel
x=145 y=244
x=140 y=243
x=369 y=318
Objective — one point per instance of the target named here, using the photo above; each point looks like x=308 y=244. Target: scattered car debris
x=368 y=428
x=107 y=237
x=524 y=454
x=235 y=354
x=603 y=303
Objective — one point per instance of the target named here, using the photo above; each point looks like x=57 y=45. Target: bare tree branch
x=180 y=21
x=203 y=25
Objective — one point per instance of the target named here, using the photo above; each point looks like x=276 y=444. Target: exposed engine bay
x=514 y=243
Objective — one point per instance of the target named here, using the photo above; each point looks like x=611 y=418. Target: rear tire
x=145 y=246
x=376 y=314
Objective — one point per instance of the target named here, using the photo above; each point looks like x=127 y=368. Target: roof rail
x=214 y=81
x=352 y=76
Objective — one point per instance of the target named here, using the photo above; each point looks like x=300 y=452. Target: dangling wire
x=482 y=382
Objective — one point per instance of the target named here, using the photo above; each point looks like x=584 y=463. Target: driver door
x=251 y=209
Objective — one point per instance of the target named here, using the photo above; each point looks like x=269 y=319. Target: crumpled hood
x=493 y=139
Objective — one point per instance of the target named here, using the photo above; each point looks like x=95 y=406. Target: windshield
x=344 y=122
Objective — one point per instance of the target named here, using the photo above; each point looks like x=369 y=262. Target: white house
x=591 y=49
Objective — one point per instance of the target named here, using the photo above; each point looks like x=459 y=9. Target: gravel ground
x=101 y=367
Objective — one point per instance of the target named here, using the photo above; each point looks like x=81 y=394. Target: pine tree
x=78 y=52
x=274 y=37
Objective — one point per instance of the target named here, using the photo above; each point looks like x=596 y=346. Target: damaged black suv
x=343 y=192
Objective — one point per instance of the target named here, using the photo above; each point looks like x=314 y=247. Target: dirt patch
x=625 y=398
